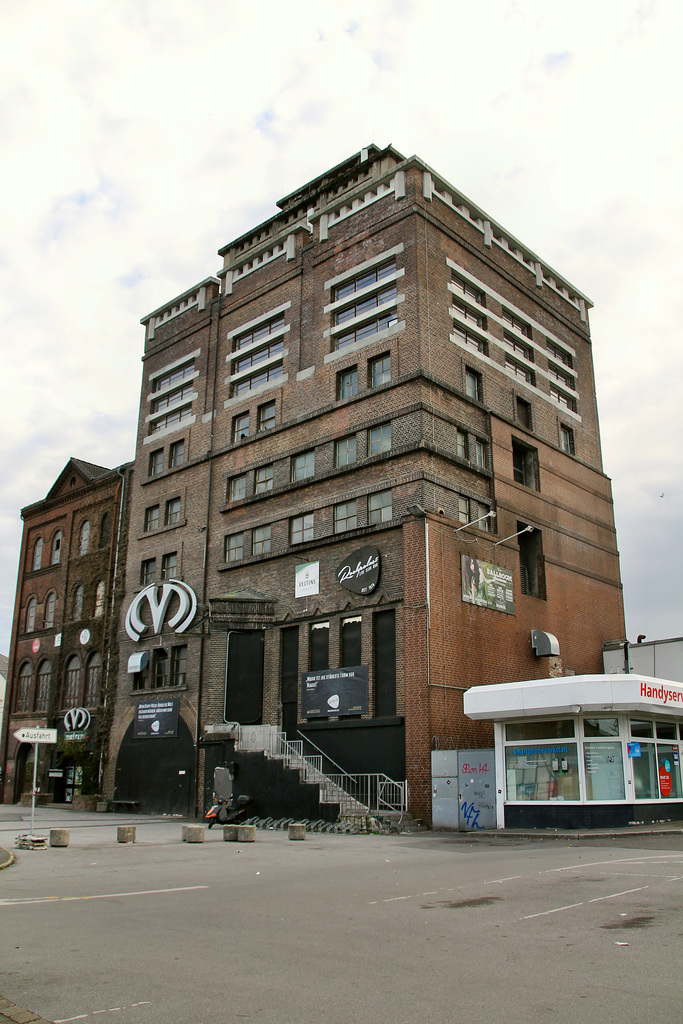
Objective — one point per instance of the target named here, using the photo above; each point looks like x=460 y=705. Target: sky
x=139 y=136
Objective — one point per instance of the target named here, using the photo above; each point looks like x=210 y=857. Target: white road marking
x=498 y=881
x=97 y=896
x=584 y=903
x=112 y=1009
x=656 y=859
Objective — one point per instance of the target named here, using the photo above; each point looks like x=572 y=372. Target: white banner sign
x=307 y=580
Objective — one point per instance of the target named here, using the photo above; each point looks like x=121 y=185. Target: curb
x=7 y=863
x=13 y=1014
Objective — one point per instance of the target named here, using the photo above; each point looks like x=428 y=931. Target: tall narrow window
x=379 y=439
x=351 y=641
x=345 y=516
x=523 y=413
x=38 y=554
x=240 y=427
x=347 y=383
x=93 y=678
x=263 y=480
x=384 y=663
x=261 y=541
x=50 y=605
x=148 y=571
x=345 y=451
x=105 y=530
x=473 y=385
x=176 y=454
x=531 y=569
x=266 y=416
x=84 y=538
x=234 y=547
x=379 y=508
x=151 y=518
x=380 y=370
x=525 y=465
x=43 y=688
x=179 y=665
x=156 y=462
x=99 y=600
x=169 y=565
x=78 y=603
x=319 y=638
x=24 y=688
x=72 y=683
x=173 y=512
x=56 y=548
x=567 y=440
x=31 y=614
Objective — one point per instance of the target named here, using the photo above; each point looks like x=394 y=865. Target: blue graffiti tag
x=470 y=815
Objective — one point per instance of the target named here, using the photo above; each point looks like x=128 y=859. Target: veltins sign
x=335 y=691
x=307 y=579
x=159 y=600
x=360 y=571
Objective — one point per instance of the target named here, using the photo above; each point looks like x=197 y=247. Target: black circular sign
x=360 y=571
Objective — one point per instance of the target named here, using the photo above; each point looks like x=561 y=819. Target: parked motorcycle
x=228 y=812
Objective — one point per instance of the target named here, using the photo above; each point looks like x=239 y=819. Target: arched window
x=31 y=614
x=72 y=687
x=93 y=678
x=105 y=530
x=50 y=605
x=24 y=687
x=84 y=538
x=43 y=688
x=37 y=554
x=56 y=548
x=99 y=600
x=78 y=603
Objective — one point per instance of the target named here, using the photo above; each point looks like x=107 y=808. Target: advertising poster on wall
x=156 y=719
x=335 y=691
x=307 y=579
x=487 y=585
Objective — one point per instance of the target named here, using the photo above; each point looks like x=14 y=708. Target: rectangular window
x=238 y=488
x=468 y=290
x=479 y=454
x=169 y=565
x=240 y=427
x=478 y=513
x=566 y=379
x=469 y=314
x=379 y=508
x=523 y=412
x=473 y=385
x=173 y=398
x=531 y=562
x=173 y=376
x=543 y=772
x=261 y=540
x=266 y=416
x=156 y=462
x=460 y=444
x=319 y=646
x=160 y=668
x=345 y=451
x=257 y=378
x=365 y=330
x=301 y=528
x=347 y=383
x=259 y=333
x=559 y=353
x=351 y=641
x=366 y=305
x=364 y=280
x=179 y=665
x=379 y=439
x=234 y=547
x=345 y=517
x=152 y=518
x=463 y=509
x=380 y=370
x=567 y=439
x=518 y=346
x=171 y=419
x=566 y=400
x=176 y=454
x=148 y=571
x=472 y=340
x=515 y=322
x=303 y=466
x=263 y=480
x=520 y=371
x=172 y=512
x=259 y=355
x=525 y=465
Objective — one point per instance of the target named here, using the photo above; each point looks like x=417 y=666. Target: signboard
x=335 y=691
x=360 y=571
x=487 y=585
x=76 y=725
x=159 y=601
x=634 y=750
x=156 y=719
x=307 y=579
x=36 y=735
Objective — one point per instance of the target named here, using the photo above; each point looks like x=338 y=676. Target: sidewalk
x=10 y=1013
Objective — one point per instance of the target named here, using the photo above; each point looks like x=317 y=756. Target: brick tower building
x=369 y=444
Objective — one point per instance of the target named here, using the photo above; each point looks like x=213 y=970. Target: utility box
x=463 y=790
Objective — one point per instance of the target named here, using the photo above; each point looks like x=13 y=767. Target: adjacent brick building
x=374 y=372
x=63 y=651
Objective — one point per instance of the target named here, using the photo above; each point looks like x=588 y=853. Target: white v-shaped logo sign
x=158 y=604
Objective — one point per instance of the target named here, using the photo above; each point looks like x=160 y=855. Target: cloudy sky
x=138 y=136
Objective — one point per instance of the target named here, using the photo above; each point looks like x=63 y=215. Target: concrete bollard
x=125 y=834
x=246 y=833
x=230 y=833
x=102 y=806
x=60 y=836
x=296 y=831
x=193 y=833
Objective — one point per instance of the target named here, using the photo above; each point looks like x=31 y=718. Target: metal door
x=445 y=800
x=476 y=790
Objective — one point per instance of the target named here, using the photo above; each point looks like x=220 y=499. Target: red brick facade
x=466 y=388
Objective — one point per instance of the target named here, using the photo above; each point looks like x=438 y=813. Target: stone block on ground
x=125 y=834
x=230 y=833
x=60 y=836
x=246 y=833
x=296 y=830
x=193 y=833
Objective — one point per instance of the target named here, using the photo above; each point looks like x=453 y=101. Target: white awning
x=574 y=695
x=138 y=661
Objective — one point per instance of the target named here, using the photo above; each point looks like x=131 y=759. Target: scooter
x=227 y=812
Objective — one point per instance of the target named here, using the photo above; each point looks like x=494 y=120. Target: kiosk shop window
x=547 y=769
x=603 y=759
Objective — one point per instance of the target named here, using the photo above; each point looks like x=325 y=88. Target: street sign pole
x=35 y=737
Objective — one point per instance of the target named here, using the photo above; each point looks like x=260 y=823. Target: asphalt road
x=340 y=929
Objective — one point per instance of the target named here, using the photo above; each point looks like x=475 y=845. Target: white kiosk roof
x=572 y=695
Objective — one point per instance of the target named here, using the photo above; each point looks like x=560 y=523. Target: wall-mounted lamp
x=527 y=529
x=489 y=515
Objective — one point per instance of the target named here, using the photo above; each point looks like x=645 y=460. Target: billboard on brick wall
x=156 y=719
x=487 y=585
x=335 y=691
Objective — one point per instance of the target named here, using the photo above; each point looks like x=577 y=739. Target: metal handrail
x=326 y=756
